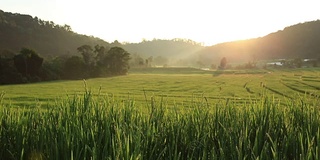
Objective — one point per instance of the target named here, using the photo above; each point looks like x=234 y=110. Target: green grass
x=100 y=127
x=180 y=86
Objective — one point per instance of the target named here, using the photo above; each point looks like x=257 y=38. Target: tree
x=67 y=28
x=74 y=68
x=223 y=63
x=53 y=68
x=100 y=66
x=8 y=72
x=116 y=43
x=87 y=54
x=28 y=63
x=117 y=60
x=100 y=53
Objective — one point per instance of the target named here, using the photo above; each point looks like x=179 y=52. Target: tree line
x=28 y=66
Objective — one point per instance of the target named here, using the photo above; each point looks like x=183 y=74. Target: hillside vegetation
x=166 y=52
x=45 y=37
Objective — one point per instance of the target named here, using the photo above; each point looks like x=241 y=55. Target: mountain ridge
x=46 y=37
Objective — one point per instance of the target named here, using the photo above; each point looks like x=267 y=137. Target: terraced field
x=176 y=87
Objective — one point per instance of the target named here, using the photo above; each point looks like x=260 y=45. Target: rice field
x=177 y=86
x=165 y=114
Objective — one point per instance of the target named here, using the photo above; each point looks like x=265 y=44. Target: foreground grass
x=102 y=127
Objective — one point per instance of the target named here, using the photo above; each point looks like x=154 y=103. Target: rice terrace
x=166 y=113
x=177 y=86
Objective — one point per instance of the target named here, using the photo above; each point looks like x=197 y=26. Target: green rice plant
x=104 y=127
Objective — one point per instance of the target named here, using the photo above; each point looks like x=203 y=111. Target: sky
x=204 y=21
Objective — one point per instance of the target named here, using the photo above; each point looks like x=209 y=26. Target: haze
x=205 y=21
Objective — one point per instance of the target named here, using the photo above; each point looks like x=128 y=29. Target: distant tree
x=87 y=54
x=223 y=63
x=100 y=49
x=28 y=63
x=117 y=60
x=100 y=67
x=74 y=68
x=53 y=68
x=100 y=53
x=67 y=28
x=116 y=43
x=8 y=72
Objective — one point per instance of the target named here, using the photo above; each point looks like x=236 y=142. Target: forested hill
x=168 y=48
x=297 y=41
x=45 y=37
x=165 y=52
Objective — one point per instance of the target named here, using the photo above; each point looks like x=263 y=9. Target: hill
x=296 y=41
x=175 y=51
x=45 y=37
